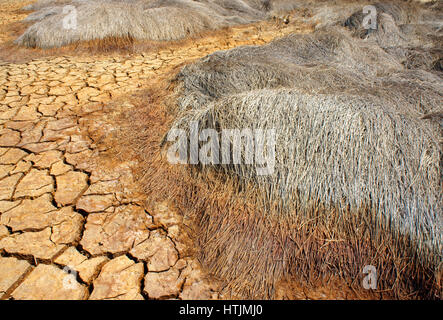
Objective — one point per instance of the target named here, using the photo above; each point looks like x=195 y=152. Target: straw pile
x=411 y=33
x=357 y=178
x=133 y=19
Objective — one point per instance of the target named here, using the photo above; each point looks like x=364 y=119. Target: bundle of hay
x=410 y=32
x=133 y=19
x=357 y=172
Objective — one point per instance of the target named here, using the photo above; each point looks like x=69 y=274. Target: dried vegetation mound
x=358 y=153
x=132 y=19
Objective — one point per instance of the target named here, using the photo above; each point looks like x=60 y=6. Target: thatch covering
x=135 y=19
x=357 y=176
x=410 y=32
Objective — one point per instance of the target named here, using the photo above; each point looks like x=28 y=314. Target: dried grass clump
x=357 y=178
x=137 y=19
x=409 y=31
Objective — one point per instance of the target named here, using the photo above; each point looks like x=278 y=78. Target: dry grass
x=138 y=19
x=11 y=53
x=411 y=33
x=358 y=165
x=251 y=249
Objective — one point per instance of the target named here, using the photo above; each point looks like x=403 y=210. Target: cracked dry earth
x=73 y=224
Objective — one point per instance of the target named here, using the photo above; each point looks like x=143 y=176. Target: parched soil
x=73 y=220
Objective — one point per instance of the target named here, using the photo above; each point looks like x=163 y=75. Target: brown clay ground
x=73 y=222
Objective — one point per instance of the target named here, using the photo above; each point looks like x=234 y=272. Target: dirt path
x=72 y=221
